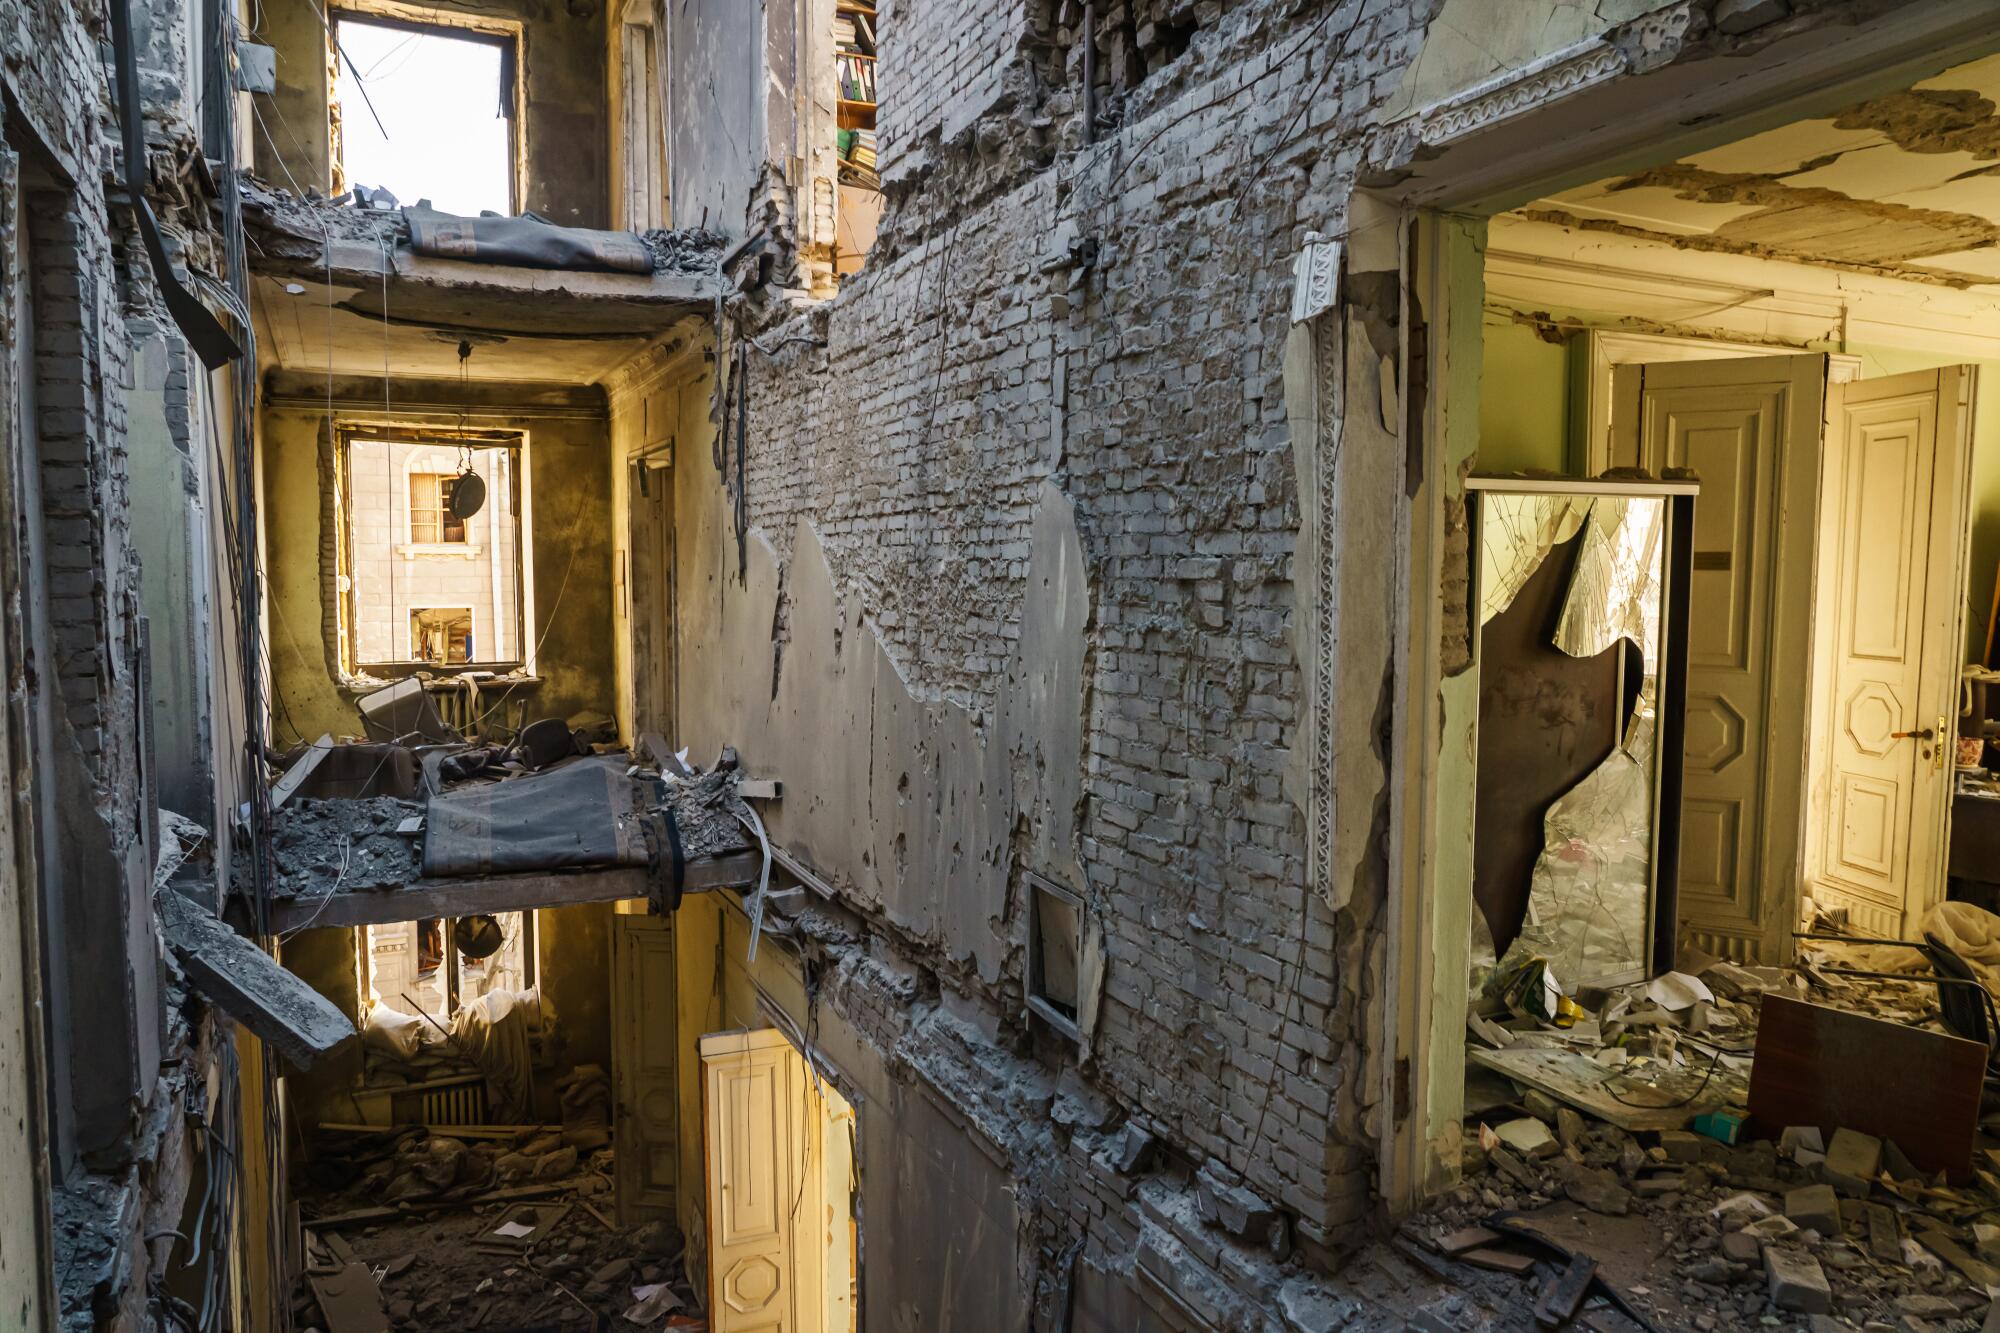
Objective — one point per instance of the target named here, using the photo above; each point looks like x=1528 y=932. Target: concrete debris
x=320 y=847
x=1853 y=1160
x=479 y=1256
x=1232 y=1207
x=1739 y=1224
x=1797 y=1281
x=246 y=983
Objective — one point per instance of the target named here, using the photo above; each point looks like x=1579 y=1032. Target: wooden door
x=651 y=581
x=765 y=1262
x=643 y=1065
x=1889 y=639
x=1750 y=430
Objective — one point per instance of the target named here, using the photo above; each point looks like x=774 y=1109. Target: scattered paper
x=514 y=1230
x=1675 y=991
x=655 y=1301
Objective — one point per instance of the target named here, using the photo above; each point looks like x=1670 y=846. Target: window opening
x=425 y=112
x=420 y=582
x=434 y=967
x=431 y=516
x=1055 y=943
x=441 y=635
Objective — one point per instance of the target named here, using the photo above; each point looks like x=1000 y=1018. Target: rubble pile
x=431 y=1230
x=1609 y=1174
x=345 y=843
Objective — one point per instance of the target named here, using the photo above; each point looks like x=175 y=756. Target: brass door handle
x=1923 y=735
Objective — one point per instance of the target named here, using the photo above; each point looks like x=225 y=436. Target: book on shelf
x=857 y=78
x=858 y=147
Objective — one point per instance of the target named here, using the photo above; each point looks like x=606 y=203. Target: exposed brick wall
x=942 y=67
x=974 y=359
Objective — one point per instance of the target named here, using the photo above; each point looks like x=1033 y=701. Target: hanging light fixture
x=468 y=492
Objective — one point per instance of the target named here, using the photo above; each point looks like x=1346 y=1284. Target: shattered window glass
x=1615 y=591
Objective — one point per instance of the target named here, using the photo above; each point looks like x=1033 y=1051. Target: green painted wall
x=1523 y=420
x=1523 y=400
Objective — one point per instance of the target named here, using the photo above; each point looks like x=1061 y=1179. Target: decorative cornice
x=1516 y=92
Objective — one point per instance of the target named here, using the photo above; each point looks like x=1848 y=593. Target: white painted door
x=1889 y=640
x=1750 y=430
x=765 y=1262
x=643 y=1066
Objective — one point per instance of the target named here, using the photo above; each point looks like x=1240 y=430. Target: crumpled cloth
x=1970 y=931
x=495 y=1032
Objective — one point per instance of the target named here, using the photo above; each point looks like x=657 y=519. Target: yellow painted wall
x=570 y=481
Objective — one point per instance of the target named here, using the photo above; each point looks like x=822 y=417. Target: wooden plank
x=473 y=894
x=349 y=1300
x=1827 y=1067
x=1564 y=1293
x=1579 y=1081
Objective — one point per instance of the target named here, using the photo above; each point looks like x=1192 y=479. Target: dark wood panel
x=1831 y=1068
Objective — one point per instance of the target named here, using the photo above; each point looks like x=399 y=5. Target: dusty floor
x=433 y=1272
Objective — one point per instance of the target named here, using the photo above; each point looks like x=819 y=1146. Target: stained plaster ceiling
x=1907 y=184
x=313 y=327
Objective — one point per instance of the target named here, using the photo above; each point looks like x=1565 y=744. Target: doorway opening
x=1733 y=525
x=784 y=1238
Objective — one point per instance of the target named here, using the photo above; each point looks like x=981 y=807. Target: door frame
x=816 y=1077
x=1543 y=135
x=624 y=926
x=649 y=583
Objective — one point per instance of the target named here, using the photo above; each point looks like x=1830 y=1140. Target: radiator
x=454 y=703
x=462 y=1105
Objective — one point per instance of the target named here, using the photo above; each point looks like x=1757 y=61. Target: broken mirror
x=1568 y=818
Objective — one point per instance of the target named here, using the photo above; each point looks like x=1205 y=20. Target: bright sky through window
x=439 y=98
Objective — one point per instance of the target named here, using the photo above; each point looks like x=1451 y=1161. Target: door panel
x=766 y=1266
x=651 y=584
x=1750 y=430
x=1891 y=578
x=643 y=1064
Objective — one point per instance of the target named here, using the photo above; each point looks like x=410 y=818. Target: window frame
x=341 y=578
x=510 y=38
x=442 y=517
x=452 y=979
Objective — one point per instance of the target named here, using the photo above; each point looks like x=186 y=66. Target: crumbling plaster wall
x=1055 y=354
x=127 y=1046
x=561 y=139
x=993 y=412
x=570 y=535
x=716 y=126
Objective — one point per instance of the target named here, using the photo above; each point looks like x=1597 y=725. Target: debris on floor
x=380 y=842
x=1709 y=1149
x=426 y=1235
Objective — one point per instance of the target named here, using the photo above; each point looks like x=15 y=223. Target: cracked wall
x=1069 y=367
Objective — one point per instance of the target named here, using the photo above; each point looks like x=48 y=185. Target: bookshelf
x=854 y=70
x=859 y=195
